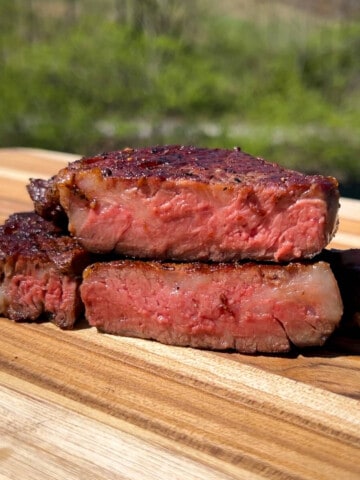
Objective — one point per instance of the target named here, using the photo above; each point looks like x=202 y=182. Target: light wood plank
x=71 y=444
x=199 y=400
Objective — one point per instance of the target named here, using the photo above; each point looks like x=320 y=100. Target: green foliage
x=82 y=78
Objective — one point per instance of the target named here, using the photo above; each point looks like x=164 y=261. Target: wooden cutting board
x=84 y=405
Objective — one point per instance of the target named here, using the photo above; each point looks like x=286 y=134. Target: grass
x=283 y=87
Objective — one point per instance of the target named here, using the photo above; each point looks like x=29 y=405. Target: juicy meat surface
x=248 y=307
x=40 y=271
x=189 y=203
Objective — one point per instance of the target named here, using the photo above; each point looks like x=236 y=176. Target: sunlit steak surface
x=250 y=307
x=189 y=203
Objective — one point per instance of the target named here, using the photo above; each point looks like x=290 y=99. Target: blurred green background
x=281 y=79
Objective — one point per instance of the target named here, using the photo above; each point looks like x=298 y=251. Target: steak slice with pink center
x=189 y=204
x=248 y=307
x=40 y=271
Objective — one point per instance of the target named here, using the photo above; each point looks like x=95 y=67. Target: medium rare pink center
x=266 y=308
x=187 y=222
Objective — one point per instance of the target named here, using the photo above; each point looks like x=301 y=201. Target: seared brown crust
x=29 y=235
x=45 y=196
x=176 y=162
x=40 y=271
x=270 y=271
x=205 y=165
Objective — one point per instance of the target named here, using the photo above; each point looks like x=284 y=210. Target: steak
x=250 y=307
x=191 y=204
x=40 y=271
x=45 y=197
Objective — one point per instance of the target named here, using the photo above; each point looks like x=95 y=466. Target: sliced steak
x=248 y=307
x=40 y=271
x=188 y=203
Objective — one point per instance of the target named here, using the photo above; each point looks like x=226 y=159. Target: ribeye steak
x=190 y=203
x=250 y=307
x=40 y=271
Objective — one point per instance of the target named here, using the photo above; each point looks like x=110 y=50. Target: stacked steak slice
x=40 y=271
x=213 y=247
x=188 y=204
x=249 y=307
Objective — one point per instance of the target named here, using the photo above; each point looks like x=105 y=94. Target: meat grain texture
x=189 y=204
x=250 y=307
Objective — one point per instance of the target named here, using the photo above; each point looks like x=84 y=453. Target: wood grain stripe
x=64 y=441
x=34 y=154
x=49 y=155
x=20 y=175
x=348 y=240
x=239 y=401
x=350 y=209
